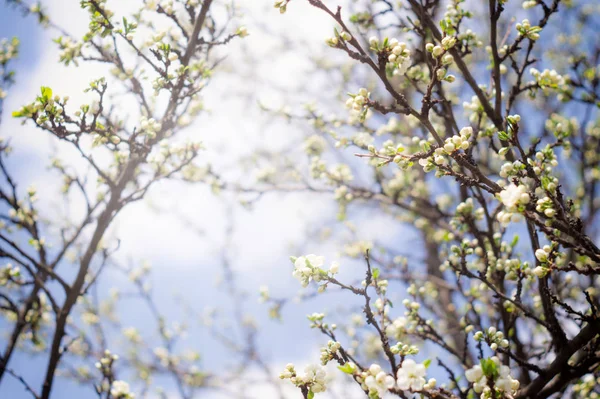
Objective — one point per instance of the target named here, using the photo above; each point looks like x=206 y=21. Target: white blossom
x=378 y=381
x=411 y=376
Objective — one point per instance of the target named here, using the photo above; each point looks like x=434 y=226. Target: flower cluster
x=358 y=101
x=314 y=145
x=120 y=390
x=313 y=378
x=459 y=141
x=531 y=32
x=375 y=381
x=411 y=376
x=451 y=145
x=509 y=169
x=335 y=40
x=467 y=208
x=492 y=372
x=513 y=198
x=70 y=50
x=9 y=273
x=545 y=205
x=309 y=268
x=543 y=253
x=330 y=352
x=549 y=79
x=149 y=126
x=399 y=57
x=493 y=337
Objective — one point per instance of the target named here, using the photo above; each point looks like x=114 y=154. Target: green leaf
x=46 y=93
x=514 y=241
x=310 y=395
x=376 y=273
x=346 y=368
x=427 y=363
x=443 y=24
x=489 y=368
x=503 y=136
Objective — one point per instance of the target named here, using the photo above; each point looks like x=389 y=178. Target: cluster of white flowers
x=70 y=50
x=492 y=336
x=167 y=6
x=542 y=253
x=492 y=370
x=314 y=145
x=474 y=109
x=403 y=349
x=398 y=328
x=335 y=40
x=149 y=126
x=512 y=197
x=467 y=208
x=100 y=139
x=411 y=376
x=543 y=164
x=313 y=378
x=545 y=205
x=451 y=144
x=90 y=318
x=525 y=29
x=340 y=173
x=561 y=126
x=399 y=57
x=376 y=381
x=586 y=387
x=342 y=194
x=549 y=79
x=510 y=169
x=132 y=335
x=364 y=140
x=9 y=273
x=397 y=53
x=309 y=268
x=24 y=214
x=438 y=50
x=459 y=141
x=266 y=173
x=242 y=31
x=120 y=390
x=8 y=50
x=359 y=100
x=122 y=74
x=156 y=38
x=470 y=38
x=330 y=351
x=105 y=363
